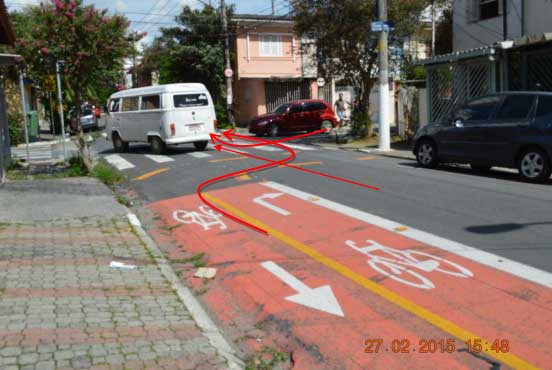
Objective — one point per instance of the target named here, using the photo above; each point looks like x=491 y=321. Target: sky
x=149 y=15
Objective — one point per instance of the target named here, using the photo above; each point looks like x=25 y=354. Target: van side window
x=114 y=105
x=190 y=100
x=151 y=102
x=130 y=104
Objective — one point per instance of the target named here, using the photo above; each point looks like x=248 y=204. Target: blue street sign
x=379 y=26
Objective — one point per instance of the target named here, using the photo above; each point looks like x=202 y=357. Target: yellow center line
x=227 y=159
x=245 y=177
x=152 y=173
x=369 y=158
x=406 y=304
x=302 y=164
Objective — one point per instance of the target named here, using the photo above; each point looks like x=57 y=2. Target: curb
x=201 y=318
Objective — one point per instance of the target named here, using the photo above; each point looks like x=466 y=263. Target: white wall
x=468 y=34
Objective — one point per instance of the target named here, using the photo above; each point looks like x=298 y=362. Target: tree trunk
x=368 y=83
x=83 y=146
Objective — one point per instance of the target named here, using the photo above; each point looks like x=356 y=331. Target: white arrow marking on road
x=321 y=298
x=259 y=200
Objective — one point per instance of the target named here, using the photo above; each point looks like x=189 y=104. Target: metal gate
x=530 y=70
x=280 y=92
x=451 y=84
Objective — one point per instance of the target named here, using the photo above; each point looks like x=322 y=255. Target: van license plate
x=195 y=127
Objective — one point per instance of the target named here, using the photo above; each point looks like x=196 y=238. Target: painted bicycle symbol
x=403 y=265
x=206 y=218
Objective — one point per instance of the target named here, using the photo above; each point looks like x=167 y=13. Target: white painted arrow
x=260 y=200
x=322 y=298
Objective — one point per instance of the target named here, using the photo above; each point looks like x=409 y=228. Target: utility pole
x=384 y=129
x=273 y=8
x=60 y=98
x=25 y=118
x=505 y=19
x=229 y=97
x=433 y=28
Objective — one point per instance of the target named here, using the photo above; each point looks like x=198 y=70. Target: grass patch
x=197 y=260
x=2 y=290
x=107 y=174
x=123 y=200
x=265 y=359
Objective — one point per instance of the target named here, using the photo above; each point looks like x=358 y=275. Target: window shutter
x=472 y=10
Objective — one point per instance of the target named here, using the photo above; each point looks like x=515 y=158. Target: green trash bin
x=32 y=125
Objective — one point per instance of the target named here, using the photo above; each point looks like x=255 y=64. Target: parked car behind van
x=161 y=115
x=300 y=115
x=512 y=129
x=89 y=121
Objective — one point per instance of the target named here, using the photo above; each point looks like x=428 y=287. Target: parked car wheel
x=426 y=154
x=157 y=145
x=480 y=168
x=534 y=165
x=273 y=130
x=326 y=125
x=119 y=145
x=201 y=145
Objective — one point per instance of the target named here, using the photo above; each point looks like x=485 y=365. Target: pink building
x=269 y=70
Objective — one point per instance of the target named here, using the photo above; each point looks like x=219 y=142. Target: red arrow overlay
x=229 y=134
x=241 y=172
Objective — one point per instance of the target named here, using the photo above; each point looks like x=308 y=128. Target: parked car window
x=151 y=102
x=545 y=106
x=314 y=107
x=86 y=112
x=478 y=110
x=130 y=104
x=190 y=100
x=516 y=107
x=114 y=105
x=297 y=108
x=281 y=109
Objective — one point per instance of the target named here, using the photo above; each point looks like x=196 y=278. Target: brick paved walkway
x=62 y=305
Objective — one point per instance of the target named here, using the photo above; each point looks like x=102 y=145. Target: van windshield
x=190 y=100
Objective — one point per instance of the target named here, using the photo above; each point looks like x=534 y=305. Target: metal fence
x=280 y=92
x=451 y=84
x=530 y=70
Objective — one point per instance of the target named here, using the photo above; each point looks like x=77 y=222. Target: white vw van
x=161 y=115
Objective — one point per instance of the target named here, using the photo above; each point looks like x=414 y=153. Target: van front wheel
x=119 y=145
x=201 y=145
x=157 y=145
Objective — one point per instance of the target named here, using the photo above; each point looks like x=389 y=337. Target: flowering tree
x=91 y=43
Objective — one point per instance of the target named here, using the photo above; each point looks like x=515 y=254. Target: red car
x=300 y=115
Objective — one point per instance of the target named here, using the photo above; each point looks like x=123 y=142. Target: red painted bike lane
x=448 y=290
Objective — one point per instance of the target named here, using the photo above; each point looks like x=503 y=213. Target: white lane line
x=500 y=263
x=267 y=148
x=159 y=158
x=118 y=162
x=199 y=155
x=299 y=147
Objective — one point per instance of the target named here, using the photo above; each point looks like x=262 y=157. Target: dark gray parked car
x=511 y=129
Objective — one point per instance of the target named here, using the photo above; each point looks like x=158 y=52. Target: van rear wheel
x=157 y=145
x=201 y=145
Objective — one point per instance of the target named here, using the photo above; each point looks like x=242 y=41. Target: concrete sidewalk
x=63 y=305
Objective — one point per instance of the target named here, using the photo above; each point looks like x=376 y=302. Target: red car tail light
x=173 y=129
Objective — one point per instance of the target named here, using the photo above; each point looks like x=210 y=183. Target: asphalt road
x=350 y=277
x=497 y=213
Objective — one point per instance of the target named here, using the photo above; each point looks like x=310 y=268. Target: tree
x=192 y=52
x=346 y=48
x=443 y=40
x=91 y=43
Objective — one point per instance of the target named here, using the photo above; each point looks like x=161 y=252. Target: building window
x=270 y=46
x=489 y=9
